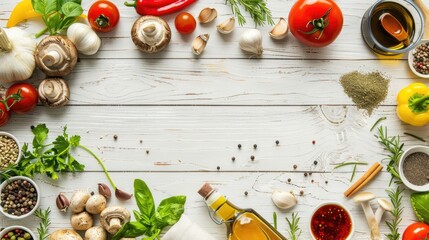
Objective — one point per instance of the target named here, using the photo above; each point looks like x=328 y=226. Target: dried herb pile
x=367 y=90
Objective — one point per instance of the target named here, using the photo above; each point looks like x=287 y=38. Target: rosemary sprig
x=43 y=215
x=396 y=199
x=355 y=163
x=294 y=231
x=394 y=146
x=275 y=219
x=257 y=9
x=415 y=136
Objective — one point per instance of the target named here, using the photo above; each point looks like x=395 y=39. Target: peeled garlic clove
x=251 y=41
x=200 y=43
x=280 y=30
x=227 y=26
x=207 y=15
x=284 y=200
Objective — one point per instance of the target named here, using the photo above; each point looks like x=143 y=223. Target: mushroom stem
x=52 y=58
x=115 y=223
x=149 y=30
x=372 y=223
x=384 y=205
x=5 y=44
x=379 y=214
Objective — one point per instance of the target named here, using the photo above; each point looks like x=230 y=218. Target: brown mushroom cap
x=113 y=218
x=96 y=233
x=81 y=221
x=95 y=204
x=54 y=93
x=151 y=34
x=56 y=56
x=65 y=234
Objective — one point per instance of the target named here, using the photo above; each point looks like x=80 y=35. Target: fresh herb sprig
x=394 y=146
x=354 y=163
x=45 y=222
x=150 y=220
x=257 y=9
x=395 y=197
x=275 y=220
x=57 y=15
x=294 y=231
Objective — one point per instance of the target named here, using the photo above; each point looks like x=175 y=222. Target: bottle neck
x=222 y=207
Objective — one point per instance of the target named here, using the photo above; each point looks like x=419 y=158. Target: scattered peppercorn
x=326 y=182
x=313 y=142
x=310 y=173
x=115 y=137
x=233 y=159
x=315 y=162
x=32 y=127
x=141 y=141
x=289 y=180
x=147 y=151
x=295 y=166
x=239 y=146
x=252 y=157
x=277 y=142
x=246 y=193
x=301 y=192
x=255 y=146
x=305 y=174
x=218 y=168
x=312 y=180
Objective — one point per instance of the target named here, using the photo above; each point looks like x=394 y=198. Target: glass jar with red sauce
x=331 y=221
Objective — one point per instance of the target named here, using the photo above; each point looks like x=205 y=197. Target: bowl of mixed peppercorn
x=10 y=150
x=17 y=233
x=418 y=59
x=19 y=197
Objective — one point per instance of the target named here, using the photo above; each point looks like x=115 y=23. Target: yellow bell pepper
x=23 y=10
x=413 y=103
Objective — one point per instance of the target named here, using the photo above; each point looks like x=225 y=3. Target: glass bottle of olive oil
x=242 y=224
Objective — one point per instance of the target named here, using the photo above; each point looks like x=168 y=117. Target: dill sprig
x=257 y=9
x=294 y=231
x=355 y=163
x=396 y=199
x=43 y=228
x=394 y=146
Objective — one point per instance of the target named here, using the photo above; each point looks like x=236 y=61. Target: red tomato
x=26 y=97
x=185 y=23
x=4 y=114
x=315 y=23
x=103 y=16
x=416 y=231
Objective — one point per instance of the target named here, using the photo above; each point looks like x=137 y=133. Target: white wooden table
x=191 y=113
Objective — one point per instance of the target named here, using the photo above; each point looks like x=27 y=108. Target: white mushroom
x=151 y=34
x=54 y=92
x=113 y=218
x=81 y=221
x=78 y=201
x=96 y=233
x=95 y=204
x=385 y=205
x=56 y=56
x=65 y=234
x=363 y=198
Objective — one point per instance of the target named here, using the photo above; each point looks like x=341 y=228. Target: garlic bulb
x=207 y=15
x=251 y=41
x=54 y=92
x=200 y=43
x=151 y=34
x=16 y=55
x=284 y=200
x=280 y=30
x=84 y=38
x=227 y=26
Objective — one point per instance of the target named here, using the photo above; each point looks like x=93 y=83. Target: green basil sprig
x=58 y=15
x=151 y=220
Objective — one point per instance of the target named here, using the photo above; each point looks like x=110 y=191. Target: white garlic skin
x=84 y=38
x=283 y=199
x=226 y=26
x=251 y=41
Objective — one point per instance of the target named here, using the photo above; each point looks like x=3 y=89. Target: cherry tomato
x=4 y=114
x=26 y=100
x=416 y=231
x=103 y=16
x=185 y=23
x=315 y=23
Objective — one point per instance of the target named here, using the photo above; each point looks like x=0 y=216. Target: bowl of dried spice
x=414 y=168
x=418 y=59
x=10 y=150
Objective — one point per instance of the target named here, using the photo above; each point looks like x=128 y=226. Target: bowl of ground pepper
x=19 y=197
x=414 y=168
x=10 y=150
x=418 y=59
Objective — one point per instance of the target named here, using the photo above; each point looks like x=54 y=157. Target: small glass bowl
x=411 y=59
x=17 y=143
x=11 y=228
x=409 y=151
x=350 y=236
x=5 y=183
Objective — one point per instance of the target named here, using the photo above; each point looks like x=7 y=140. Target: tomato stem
x=102 y=21
x=319 y=24
x=17 y=97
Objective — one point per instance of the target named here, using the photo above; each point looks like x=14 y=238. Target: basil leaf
x=144 y=200
x=51 y=23
x=420 y=203
x=130 y=230
x=71 y=9
x=62 y=2
x=51 y=6
x=170 y=210
x=154 y=235
x=65 y=23
x=39 y=6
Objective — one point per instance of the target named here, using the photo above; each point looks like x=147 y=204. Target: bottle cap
x=206 y=190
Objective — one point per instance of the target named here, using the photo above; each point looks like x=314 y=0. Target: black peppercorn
x=305 y=174
x=233 y=158
x=246 y=193
x=326 y=182
x=147 y=151
x=315 y=162
x=255 y=146
x=252 y=157
x=277 y=142
x=295 y=166
x=239 y=146
x=115 y=137
x=314 y=142
x=301 y=192
x=288 y=180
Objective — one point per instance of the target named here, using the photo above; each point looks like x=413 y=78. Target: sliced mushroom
x=96 y=233
x=54 y=92
x=95 y=204
x=56 y=56
x=113 y=218
x=151 y=34
x=81 y=221
x=65 y=234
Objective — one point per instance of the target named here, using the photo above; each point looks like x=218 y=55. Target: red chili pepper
x=158 y=7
